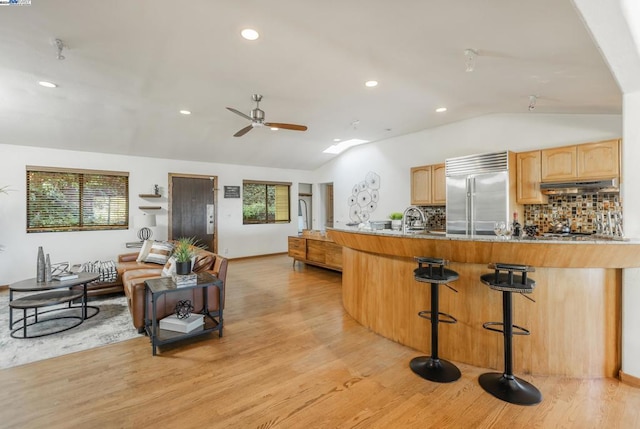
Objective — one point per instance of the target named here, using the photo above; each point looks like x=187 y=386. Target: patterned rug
x=112 y=324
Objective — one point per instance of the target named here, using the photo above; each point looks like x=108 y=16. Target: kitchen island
x=575 y=322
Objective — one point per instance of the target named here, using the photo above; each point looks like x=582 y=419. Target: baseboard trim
x=629 y=379
x=255 y=256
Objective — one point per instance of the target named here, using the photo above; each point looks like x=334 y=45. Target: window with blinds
x=76 y=200
x=265 y=202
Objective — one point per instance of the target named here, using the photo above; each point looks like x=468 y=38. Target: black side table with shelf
x=156 y=287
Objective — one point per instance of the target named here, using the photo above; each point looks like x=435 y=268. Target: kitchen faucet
x=409 y=217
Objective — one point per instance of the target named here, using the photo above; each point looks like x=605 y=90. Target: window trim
x=80 y=172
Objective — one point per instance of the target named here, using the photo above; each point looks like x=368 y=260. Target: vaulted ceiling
x=130 y=66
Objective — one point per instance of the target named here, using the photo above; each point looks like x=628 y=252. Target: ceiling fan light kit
x=256 y=116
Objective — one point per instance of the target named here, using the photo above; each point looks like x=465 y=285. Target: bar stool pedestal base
x=510 y=389
x=437 y=370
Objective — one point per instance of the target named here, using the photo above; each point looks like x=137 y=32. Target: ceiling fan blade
x=237 y=112
x=293 y=127
x=243 y=131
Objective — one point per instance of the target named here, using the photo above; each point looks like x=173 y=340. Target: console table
x=48 y=294
x=157 y=287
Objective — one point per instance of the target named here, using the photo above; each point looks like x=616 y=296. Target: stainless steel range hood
x=581 y=187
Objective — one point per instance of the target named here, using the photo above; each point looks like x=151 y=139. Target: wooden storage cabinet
x=529 y=176
x=318 y=251
x=428 y=185
x=599 y=160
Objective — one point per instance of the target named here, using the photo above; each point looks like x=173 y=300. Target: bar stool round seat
x=433 y=271
x=506 y=386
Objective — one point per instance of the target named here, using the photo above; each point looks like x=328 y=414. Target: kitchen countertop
x=580 y=239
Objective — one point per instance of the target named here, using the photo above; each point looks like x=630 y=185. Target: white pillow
x=144 y=250
x=169 y=268
x=159 y=253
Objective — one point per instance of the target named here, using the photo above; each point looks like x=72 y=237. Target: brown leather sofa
x=134 y=274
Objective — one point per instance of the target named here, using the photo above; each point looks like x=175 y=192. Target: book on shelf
x=188 y=324
x=65 y=276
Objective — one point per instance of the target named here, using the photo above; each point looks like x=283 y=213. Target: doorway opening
x=192 y=209
x=326 y=204
x=304 y=207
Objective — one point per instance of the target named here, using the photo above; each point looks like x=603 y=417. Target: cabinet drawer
x=297 y=247
x=334 y=255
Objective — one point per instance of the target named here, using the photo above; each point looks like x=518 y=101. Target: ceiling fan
x=257 y=119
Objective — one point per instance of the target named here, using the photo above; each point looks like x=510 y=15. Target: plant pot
x=396 y=224
x=183 y=268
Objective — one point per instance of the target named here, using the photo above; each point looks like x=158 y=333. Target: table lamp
x=145 y=222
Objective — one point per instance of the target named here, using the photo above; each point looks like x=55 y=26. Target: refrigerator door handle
x=471 y=190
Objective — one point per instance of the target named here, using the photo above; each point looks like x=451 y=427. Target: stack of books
x=66 y=275
x=194 y=322
x=185 y=280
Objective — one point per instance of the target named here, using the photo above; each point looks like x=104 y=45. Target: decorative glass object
x=40 y=266
x=47 y=269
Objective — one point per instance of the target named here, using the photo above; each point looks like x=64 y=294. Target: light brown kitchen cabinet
x=529 y=176
x=428 y=186
x=599 y=160
x=438 y=184
x=559 y=164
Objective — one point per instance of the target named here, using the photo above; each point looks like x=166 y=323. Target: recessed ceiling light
x=185 y=112
x=336 y=140
x=47 y=84
x=441 y=109
x=371 y=83
x=250 y=34
x=274 y=128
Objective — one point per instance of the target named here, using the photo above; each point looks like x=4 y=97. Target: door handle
x=209 y=220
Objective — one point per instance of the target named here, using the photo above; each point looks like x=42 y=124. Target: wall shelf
x=149 y=207
x=149 y=195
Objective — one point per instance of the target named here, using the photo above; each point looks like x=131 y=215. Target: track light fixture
x=60 y=46
x=532 y=102
x=470 y=59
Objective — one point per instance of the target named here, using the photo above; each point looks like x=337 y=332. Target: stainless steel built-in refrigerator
x=478 y=193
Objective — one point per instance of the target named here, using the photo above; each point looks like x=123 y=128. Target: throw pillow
x=169 y=268
x=159 y=253
x=144 y=250
x=204 y=261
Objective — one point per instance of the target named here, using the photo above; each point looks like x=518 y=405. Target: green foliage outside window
x=76 y=200
x=265 y=203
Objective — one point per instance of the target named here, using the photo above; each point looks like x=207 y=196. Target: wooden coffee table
x=49 y=294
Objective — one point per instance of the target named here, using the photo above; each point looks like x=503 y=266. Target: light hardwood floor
x=290 y=358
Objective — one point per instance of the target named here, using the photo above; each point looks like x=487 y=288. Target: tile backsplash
x=436 y=217
x=580 y=210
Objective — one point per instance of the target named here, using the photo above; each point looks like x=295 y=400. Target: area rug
x=112 y=324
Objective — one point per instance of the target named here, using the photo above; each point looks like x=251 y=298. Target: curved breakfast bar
x=575 y=321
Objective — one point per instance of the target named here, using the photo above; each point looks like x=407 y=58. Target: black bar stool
x=506 y=386
x=432 y=367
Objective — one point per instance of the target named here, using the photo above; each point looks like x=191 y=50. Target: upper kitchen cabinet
x=438 y=184
x=559 y=164
x=585 y=161
x=428 y=185
x=529 y=176
x=599 y=160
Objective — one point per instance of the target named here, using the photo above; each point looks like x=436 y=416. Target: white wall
x=18 y=260
x=393 y=158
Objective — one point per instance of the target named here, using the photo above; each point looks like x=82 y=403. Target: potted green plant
x=183 y=252
x=396 y=221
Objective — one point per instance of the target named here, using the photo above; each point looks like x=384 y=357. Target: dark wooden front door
x=192 y=209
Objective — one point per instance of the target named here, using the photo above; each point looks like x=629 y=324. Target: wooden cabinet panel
x=421 y=185
x=529 y=176
x=599 y=160
x=333 y=255
x=297 y=247
x=439 y=184
x=316 y=251
x=559 y=164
